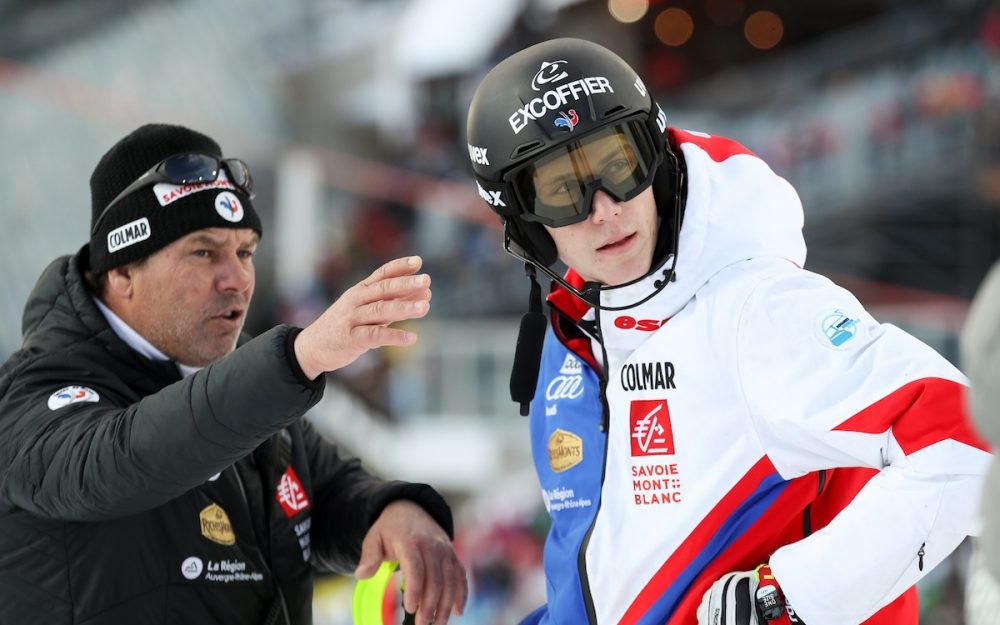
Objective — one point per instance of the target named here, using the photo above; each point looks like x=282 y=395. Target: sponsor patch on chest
x=565 y=450
x=650 y=430
x=290 y=493
x=215 y=525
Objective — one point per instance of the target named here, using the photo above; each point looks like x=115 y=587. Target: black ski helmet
x=546 y=96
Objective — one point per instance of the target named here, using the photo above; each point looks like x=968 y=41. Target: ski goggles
x=182 y=169
x=558 y=189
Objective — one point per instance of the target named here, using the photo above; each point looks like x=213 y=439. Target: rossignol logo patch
x=72 y=395
x=215 y=525
x=131 y=233
x=565 y=450
x=650 y=428
x=290 y=493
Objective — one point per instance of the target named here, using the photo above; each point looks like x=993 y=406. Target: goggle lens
x=558 y=188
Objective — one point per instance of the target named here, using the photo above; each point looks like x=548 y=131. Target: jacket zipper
x=807 y=512
x=588 y=599
x=280 y=596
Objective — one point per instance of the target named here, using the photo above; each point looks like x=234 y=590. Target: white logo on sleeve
x=72 y=395
x=192 y=567
x=839 y=327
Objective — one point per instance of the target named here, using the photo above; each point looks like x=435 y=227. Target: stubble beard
x=187 y=340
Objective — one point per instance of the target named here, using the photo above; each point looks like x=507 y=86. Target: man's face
x=614 y=244
x=190 y=298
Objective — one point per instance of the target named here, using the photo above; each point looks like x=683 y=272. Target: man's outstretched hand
x=436 y=585
x=359 y=319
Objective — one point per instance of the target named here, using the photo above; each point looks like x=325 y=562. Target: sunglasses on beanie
x=186 y=169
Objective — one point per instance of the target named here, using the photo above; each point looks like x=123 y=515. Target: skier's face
x=614 y=244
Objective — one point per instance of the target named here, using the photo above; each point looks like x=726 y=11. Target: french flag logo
x=567 y=120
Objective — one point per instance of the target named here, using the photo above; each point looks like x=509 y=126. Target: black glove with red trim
x=746 y=598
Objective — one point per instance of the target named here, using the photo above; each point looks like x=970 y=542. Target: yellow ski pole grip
x=366 y=606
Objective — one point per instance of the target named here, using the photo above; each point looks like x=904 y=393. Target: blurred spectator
x=980 y=345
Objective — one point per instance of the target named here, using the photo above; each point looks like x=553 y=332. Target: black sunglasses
x=186 y=169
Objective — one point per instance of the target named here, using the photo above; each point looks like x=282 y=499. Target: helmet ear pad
x=533 y=238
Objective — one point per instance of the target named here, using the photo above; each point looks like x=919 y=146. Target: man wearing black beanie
x=151 y=471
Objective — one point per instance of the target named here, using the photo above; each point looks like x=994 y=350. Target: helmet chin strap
x=591 y=291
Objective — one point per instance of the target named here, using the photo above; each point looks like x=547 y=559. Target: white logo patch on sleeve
x=72 y=395
x=838 y=327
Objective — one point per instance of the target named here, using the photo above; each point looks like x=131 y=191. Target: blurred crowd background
x=885 y=115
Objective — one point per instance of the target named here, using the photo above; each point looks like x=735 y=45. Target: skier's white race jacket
x=750 y=412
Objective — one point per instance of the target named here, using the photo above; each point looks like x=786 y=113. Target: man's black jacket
x=131 y=496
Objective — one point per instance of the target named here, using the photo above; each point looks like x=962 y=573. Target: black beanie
x=152 y=217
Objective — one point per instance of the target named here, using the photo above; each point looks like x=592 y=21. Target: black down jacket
x=131 y=496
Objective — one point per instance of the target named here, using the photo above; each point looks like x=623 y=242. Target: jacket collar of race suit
x=736 y=209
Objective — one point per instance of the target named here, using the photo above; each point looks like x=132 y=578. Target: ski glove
x=746 y=598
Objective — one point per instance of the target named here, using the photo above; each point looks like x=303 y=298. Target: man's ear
x=120 y=281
